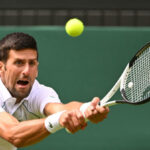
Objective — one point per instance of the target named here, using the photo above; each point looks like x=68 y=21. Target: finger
x=67 y=122
x=80 y=118
x=107 y=109
x=83 y=127
x=102 y=109
x=91 y=113
x=76 y=121
x=95 y=101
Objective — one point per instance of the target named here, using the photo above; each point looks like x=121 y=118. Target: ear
x=1 y=67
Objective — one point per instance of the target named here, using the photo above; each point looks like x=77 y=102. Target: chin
x=21 y=94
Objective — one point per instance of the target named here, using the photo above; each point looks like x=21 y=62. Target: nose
x=26 y=70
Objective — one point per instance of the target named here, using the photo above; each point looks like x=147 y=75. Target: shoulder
x=41 y=89
x=40 y=95
x=41 y=92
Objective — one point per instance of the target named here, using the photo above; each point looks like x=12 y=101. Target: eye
x=19 y=62
x=32 y=62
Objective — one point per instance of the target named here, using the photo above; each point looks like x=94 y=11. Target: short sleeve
x=40 y=96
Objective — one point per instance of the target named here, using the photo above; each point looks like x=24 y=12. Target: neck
x=18 y=100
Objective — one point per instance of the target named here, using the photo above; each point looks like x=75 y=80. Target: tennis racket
x=134 y=82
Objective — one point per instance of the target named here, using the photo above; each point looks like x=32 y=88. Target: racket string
x=139 y=78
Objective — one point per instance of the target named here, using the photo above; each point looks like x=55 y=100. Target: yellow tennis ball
x=74 y=27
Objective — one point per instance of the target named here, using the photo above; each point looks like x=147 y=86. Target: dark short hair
x=16 y=41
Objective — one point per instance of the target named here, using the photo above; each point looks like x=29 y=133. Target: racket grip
x=108 y=104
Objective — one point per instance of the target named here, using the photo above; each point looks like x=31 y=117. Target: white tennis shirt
x=29 y=108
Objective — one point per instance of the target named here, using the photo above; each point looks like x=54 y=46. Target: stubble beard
x=19 y=95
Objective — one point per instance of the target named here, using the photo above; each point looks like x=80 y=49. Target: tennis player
x=30 y=111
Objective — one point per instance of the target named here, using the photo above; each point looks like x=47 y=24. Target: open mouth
x=21 y=82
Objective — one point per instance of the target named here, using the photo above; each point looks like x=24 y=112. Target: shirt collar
x=4 y=93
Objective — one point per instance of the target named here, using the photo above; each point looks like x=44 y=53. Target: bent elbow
x=12 y=138
x=15 y=141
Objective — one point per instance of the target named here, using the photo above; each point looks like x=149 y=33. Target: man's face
x=19 y=72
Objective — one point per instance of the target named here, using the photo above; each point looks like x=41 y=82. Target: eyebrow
x=25 y=59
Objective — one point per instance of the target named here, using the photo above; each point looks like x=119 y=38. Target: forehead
x=22 y=54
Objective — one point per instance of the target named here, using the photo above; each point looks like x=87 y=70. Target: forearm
x=24 y=133
x=28 y=133
x=51 y=108
x=72 y=105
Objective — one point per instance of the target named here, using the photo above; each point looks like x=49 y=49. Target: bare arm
x=94 y=113
x=21 y=134
x=25 y=133
x=52 y=108
x=72 y=119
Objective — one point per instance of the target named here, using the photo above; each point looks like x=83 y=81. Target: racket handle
x=108 y=104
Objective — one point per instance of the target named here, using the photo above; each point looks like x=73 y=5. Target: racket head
x=135 y=82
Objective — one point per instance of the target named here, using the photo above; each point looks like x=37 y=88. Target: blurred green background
x=87 y=66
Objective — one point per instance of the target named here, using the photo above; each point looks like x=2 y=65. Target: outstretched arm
x=93 y=112
x=25 y=133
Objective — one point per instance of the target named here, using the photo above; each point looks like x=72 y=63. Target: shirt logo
x=50 y=125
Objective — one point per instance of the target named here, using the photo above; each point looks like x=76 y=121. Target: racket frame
x=122 y=90
x=120 y=83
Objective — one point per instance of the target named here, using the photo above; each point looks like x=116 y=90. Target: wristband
x=52 y=122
